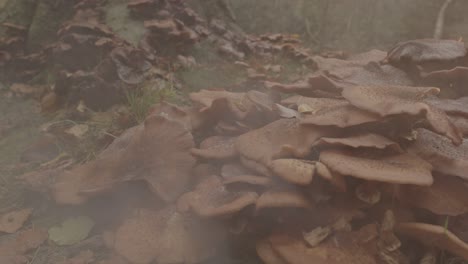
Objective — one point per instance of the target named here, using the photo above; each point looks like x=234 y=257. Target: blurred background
x=352 y=25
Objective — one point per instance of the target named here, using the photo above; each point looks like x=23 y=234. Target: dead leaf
x=13 y=221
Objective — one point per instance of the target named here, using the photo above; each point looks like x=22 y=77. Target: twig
x=439 y=27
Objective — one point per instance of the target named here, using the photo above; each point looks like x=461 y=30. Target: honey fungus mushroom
x=157 y=152
x=400 y=169
x=434 y=236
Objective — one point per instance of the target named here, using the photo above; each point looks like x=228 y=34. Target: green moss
x=118 y=18
x=48 y=17
x=18 y=12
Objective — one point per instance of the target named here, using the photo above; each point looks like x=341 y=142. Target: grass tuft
x=141 y=99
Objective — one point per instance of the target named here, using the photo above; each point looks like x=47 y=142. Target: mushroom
x=394 y=100
x=450 y=106
x=369 y=140
x=434 y=236
x=401 y=168
x=282 y=199
x=234 y=102
x=217 y=148
x=130 y=64
x=447 y=196
x=295 y=171
x=308 y=87
x=426 y=50
x=347 y=247
x=166 y=236
x=451 y=81
x=157 y=152
x=461 y=123
x=335 y=179
x=267 y=254
x=210 y=198
x=437 y=150
x=279 y=139
x=234 y=169
x=249 y=179
x=329 y=112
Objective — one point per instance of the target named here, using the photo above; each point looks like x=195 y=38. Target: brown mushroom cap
x=230 y=170
x=249 y=179
x=217 y=148
x=400 y=169
x=329 y=112
x=166 y=236
x=314 y=85
x=174 y=112
x=157 y=152
x=282 y=138
x=368 y=56
x=425 y=50
x=436 y=236
x=365 y=140
x=282 y=199
x=235 y=103
x=335 y=179
x=450 y=106
x=370 y=74
x=393 y=100
x=447 y=196
x=351 y=247
x=437 y=150
x=461 y=123
x=451 y=81
x=267 y=254
x=295 y=171
x=210 y=199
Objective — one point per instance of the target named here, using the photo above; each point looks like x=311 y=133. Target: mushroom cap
x=461 y=123
x=164 y=148
x=330 y=112
x=217 y=148
x=401 y=169
x=368 y=140
x=210 y=198
x=368 y=56
x=166 y=236
x=223 y=101
x=446 y=196
x=437 y=150
x=249 y=179
x=394 y=100
x=335 y=179
x=267 y=254
x=231 y=170
x=342 y=248
x=450 y=106
x=157 y=151
x=370 y=74
x=174 y=112
x=305 y=87
x=426 y=50
x=295 y=171
x=451 y=81
x=282 y=199
x=279 y=139
x=436 y=236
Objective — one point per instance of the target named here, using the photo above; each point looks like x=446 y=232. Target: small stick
x=439 y=27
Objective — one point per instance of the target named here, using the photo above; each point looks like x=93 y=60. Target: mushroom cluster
x=365 y=157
